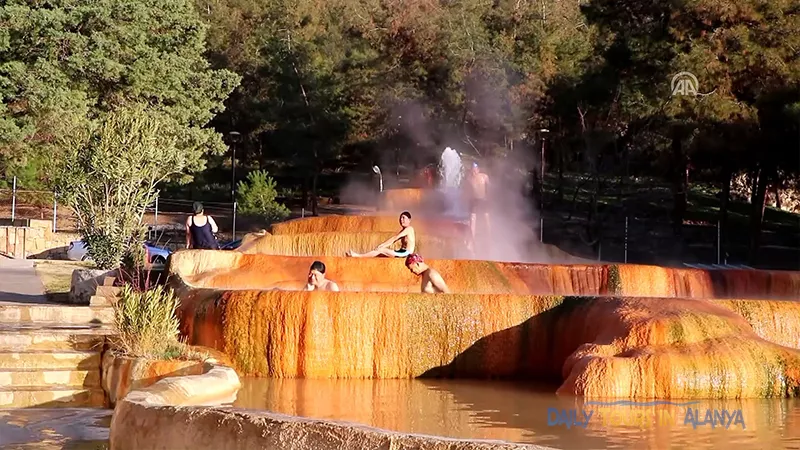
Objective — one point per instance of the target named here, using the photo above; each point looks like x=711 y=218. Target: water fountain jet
x=450 y=169
x=451 y=174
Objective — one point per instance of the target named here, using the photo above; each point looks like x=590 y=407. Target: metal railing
x=30 y=204
x=18 y=203
x=621 y=239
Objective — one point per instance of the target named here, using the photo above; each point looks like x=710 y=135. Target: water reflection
x=518 y=412
x=59 y=428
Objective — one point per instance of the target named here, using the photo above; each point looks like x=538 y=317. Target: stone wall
x=35 y=241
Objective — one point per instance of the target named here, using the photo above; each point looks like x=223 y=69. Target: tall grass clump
x=147 y=326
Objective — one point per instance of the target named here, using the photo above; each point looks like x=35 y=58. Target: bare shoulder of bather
x=332 y=286
x=438 y=282
x=409 y=237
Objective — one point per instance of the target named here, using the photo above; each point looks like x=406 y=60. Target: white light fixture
x=377 y=170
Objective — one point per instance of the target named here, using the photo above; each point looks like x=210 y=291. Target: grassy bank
x=56 y=276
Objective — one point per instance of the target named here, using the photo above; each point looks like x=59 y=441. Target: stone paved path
x=19 y=282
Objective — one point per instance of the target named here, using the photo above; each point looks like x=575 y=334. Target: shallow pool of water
x=50 y=429
x=529 y=413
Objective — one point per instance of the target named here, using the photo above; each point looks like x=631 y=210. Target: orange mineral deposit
x=235 y=270
x=337 y=243
x=597 y=346
x=381 y=224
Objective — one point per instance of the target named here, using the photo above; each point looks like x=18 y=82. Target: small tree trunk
x=560 y=190
x=754 y=174
x=305 y=191
x=727 y=174
x=757 y=213
x=314 y=200
x=316 y=169
x=678 y=185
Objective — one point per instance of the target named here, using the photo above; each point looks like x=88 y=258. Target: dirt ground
x=56 y=276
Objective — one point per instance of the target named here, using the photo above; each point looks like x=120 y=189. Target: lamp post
x=543 y=132
x=234 y=136
x=377 y=170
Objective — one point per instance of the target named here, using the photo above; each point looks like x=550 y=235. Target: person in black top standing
x=200 y=230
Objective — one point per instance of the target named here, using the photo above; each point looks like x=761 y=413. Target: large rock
x=122 y=374
x=85 y=282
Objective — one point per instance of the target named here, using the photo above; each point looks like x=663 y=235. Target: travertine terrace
x=246 y=270
x=600 y=330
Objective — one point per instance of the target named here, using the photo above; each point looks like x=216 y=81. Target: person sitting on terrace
x=432 y=281
x=317 y=280
x=407 y=238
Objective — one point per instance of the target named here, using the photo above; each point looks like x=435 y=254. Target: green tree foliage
x=108 y=172
x=744 y=55
x=329 y=86
x=302 y=79
x=325 y=81
x=257 y=197
x=64 y=62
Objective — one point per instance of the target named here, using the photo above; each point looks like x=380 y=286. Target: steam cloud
x=514 y=221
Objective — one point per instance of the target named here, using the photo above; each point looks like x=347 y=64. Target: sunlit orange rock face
x=598 y=346
x=339 y=242
x=229 y=270
x=409 y=198
x=642 y=280
x=681 y=348
x=381 y=224
x=233 y=270
x=333 y=235
x=355 y=335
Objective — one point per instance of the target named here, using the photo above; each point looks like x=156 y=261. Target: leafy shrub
x=257 y=197
x=147 y=326
x=106 y=248
x=288 y=192
x=107 y=173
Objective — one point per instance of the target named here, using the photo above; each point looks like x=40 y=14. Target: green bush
x=147 y=326
x=106 y=248
x=257 y=197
